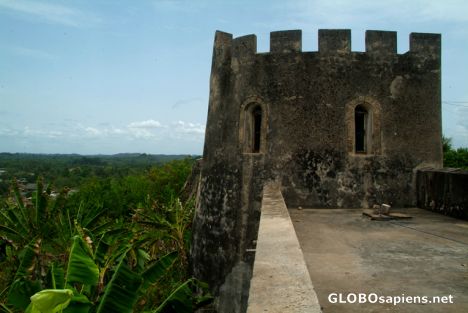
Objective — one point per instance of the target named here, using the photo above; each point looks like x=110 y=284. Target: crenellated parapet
x=332 y=42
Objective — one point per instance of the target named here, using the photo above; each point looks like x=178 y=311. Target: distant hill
x=72 y=169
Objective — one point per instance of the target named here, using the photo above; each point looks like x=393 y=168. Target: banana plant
x=107 y=268
x=73 y=293
x=23 y=220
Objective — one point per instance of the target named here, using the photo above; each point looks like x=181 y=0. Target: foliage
x=119 y=244
x=75 y=170
x=456 y=158
x=446 y=144
x=50 y=301
x=22 y=220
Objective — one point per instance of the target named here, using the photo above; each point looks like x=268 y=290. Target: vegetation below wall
x=457 y=158
x=118 y=243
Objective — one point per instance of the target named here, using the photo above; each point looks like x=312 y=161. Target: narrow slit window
x=360 y=123
x=257 y=129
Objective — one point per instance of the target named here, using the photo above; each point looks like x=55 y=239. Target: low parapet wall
x=444 y=191
x=280 y=281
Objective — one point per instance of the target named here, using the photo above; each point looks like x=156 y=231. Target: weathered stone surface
x=307 y=137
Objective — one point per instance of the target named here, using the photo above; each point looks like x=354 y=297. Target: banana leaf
x=40 y=203
x=122 y=291
x=27 y=263
x=180 y=300
x=17 y=219
x=91 y=218
x=101 y=251
x=78 y=304
x=184 y=299
x=81 y=266
x=20 y=292
x=142 y=257
x=50 y=301
x=57 y=277
x=8 y=230
x=157 y=270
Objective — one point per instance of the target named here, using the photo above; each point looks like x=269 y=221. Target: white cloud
x=117 y=131
x=6 y=131
x=93 y=131
x=142 y=131
x=148 y=124
x=30 y=132
x=52 y=13
x=189 y=128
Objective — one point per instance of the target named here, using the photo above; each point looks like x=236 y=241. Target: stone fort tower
x=334 y=128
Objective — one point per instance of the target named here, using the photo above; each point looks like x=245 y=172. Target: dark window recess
x=257 y=129
x=360 y=120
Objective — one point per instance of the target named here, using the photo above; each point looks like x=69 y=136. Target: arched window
x=253 y=126
x=361 y=128
x=257 y=129
x=363 y=125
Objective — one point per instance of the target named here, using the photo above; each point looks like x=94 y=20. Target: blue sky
x=132 y=76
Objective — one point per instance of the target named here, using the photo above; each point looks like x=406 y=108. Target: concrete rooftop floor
x=346 y=252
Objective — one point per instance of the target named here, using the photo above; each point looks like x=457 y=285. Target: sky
x=105 y=77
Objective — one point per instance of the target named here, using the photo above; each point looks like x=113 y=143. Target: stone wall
x=444 y=191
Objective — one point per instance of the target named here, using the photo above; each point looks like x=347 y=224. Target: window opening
x=360 y=123
x=257 y=128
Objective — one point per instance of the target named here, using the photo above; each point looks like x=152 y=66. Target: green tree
x=446 y=144
x=456 y=158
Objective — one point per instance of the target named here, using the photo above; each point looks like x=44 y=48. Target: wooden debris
x=385 y=208
x=384 y=217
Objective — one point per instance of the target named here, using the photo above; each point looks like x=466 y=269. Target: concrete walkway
x=348 y=253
